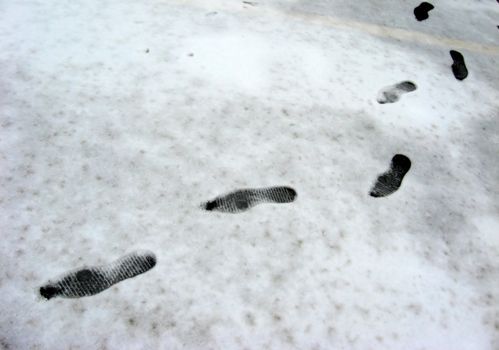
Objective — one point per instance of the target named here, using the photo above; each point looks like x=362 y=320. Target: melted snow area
x=118 y=118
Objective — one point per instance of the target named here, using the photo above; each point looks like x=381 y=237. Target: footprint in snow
x=244 y=199
x=390 y=181
x=421 y=12
x=88 y=281
x=392 y=93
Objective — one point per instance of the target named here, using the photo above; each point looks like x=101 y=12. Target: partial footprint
x=245 y=199
x=421 y=12
x=393 y=93
x=390 y=181
x=92 y=280
x=458 y=66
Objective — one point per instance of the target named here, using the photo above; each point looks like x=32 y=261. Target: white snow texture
x=118 y=118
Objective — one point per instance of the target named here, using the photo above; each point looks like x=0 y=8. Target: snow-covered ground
x=118 y=118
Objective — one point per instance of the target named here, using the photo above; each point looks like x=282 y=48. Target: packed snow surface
x=119 y=118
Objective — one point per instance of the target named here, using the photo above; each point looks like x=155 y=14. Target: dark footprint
x=421 y=12
x=92 y=280
x=242 y=200
x=390 y=181
x=458 y=67
x=393 y=93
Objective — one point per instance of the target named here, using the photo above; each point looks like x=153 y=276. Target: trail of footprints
x=458 y=66
x=88 y=281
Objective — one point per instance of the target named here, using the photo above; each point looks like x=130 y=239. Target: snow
x=117 y=119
